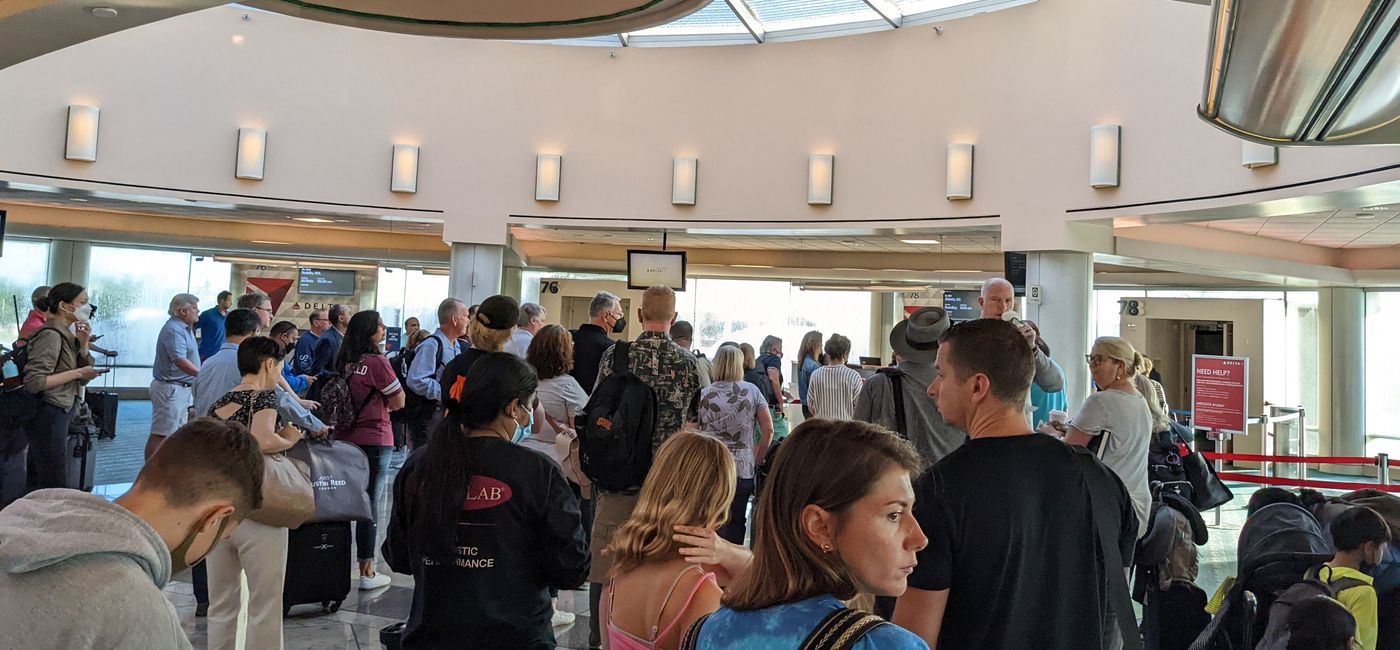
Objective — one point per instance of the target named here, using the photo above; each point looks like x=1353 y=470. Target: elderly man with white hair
x=176 y=365
x=999 y=297
x=532 y=319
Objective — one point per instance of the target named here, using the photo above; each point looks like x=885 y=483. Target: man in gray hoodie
x=77 y=571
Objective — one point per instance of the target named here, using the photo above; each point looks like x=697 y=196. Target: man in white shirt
x=532 y=318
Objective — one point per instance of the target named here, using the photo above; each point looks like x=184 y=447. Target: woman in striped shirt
x=832 y=390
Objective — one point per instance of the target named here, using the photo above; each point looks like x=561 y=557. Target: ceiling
x=1370 y=227
x=214 y=209
x=964 y=241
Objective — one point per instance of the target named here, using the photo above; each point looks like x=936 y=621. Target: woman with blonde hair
x=729 y=409
x=1116 y=422
x=835 y=519
x=654 y=595
x=809 y=359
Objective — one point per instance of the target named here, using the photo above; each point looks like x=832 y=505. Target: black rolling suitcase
x=81 y=460
x=318 y=566
x=104 y=413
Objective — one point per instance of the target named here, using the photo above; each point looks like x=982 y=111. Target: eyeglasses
x=266 y=309
x=1095 y=359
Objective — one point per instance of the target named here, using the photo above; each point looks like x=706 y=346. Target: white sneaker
x=560 y=619
x=374 y=582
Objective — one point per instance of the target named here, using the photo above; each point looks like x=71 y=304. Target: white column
x=1347 y=426
x=69 y=261
x=476 y=272
x=1065 y=312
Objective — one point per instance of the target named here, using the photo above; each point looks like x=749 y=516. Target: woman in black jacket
x=486 y=527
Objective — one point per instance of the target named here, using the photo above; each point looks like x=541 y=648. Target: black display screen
x=326 y=282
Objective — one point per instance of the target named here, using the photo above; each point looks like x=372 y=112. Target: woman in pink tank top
x=653 y=594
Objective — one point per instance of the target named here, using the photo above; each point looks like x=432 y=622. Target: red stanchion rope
x=1293 y=482
x=1311 y=460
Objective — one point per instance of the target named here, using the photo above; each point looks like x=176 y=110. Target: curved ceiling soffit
x=495 y=19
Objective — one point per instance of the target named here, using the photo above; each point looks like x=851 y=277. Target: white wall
x=1024 y=85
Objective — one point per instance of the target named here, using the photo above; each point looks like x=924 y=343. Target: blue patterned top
x=786 y=626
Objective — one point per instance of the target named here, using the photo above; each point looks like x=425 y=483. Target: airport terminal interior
x=1213 y=184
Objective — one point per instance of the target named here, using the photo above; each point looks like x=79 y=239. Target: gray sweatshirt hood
x=52 y=526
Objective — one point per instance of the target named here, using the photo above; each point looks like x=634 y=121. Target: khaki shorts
x=610 y=511
x=170 y=407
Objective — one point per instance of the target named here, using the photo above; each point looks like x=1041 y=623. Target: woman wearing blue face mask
x=59 y=366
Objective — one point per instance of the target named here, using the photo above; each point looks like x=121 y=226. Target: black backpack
x=18 y=404
x=617 y=429
x=415 y=407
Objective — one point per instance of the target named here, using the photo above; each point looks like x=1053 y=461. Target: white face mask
x=82 y=314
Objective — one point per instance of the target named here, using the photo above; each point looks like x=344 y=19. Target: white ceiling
x=978 y=241
x=1372 y=227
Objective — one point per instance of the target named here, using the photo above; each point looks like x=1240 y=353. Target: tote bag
x=340 y=478
x=288 y=500
x=1207 y=490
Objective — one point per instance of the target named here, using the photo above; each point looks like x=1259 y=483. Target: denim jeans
x=365 y=533
x=733 y=531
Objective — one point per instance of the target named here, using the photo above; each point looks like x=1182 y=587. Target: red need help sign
x=1219 y=393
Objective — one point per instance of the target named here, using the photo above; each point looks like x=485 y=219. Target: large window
x=410 y=293
x=1382 y=390
x=745 y=311
x=131 y=289
x=23 y=268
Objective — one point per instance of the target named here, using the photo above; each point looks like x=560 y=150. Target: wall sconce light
x=959 y=183
x=1104 y=147
x=82 y=133
x=684 y=178
x=1254 y=155
x=821 y=171
x=403 y=175
x=252 y=154
x=548 y=169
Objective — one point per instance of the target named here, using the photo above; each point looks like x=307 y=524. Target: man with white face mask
x=69 y=551
x=174 y=370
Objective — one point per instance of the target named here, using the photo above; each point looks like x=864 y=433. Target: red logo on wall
x=275 y=288
x=485 y=492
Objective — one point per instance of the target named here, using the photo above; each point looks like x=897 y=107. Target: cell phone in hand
x=103 y=371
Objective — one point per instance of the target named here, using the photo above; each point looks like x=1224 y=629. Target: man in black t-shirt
x=1017 y=556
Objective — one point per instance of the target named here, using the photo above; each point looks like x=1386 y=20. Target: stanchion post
x=1219 y=467
x=1383 y=468
x=1303 y=444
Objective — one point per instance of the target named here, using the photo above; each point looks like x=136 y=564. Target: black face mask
x=620 y=326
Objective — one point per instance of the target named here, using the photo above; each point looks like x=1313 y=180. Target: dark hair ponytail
x=439 y=488
x=359 y=335
x=61 y=293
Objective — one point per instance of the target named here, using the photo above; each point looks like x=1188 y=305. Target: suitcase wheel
x=331 y=607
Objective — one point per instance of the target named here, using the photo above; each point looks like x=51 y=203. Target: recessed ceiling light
x=104 y=12
x=1377 y=208
x=271 y=243
x=79 y=200
x=921 y=241
x=342 y=221
x=311 y=219
x=236 y=39
x=1365 y=215
x=751 y=266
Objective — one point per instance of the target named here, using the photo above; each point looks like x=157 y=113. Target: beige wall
x=1023 y=84
x=1248 y=319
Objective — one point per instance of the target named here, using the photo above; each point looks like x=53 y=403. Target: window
x=1382 y=391
x=24 y=268
x=131 y=289
x=745 y=311
x=405 y=293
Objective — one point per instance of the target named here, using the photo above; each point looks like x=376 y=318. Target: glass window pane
x=208 y=278
x=1382 y=391
x=714 y=18
x=389 y=296
x=23 y=268
x=422 y=295
x=795 y=14
x=132 y=289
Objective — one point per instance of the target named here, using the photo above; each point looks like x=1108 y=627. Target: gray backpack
x=1311 y=586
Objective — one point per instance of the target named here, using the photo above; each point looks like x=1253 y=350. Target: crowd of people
x=945 y=501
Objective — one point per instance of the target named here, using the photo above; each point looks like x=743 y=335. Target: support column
x=476 y=272
x=1347 y=319
x=1066 y=282
x=68 y=261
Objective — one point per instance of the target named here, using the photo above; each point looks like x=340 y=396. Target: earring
x=826 y=548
